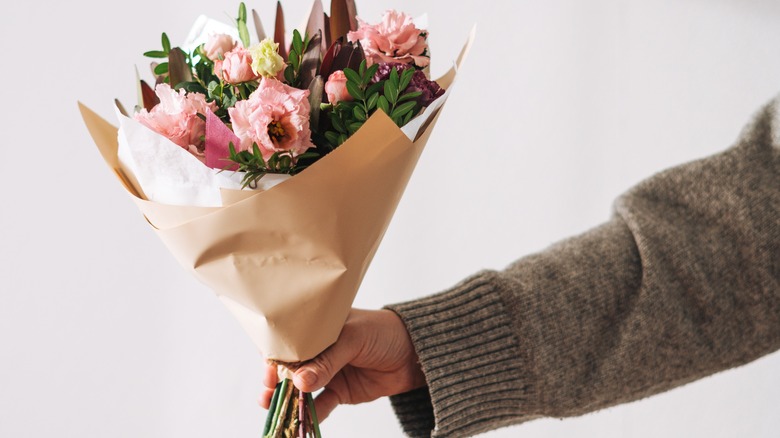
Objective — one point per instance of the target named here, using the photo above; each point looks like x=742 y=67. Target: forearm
x=681 y=283
x=498 y=347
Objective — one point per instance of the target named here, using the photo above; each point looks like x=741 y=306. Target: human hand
x=372 y=358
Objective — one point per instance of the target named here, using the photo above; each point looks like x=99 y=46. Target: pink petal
x=218 y=139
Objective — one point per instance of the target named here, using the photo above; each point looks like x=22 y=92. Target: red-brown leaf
x=352 y=11
x=147 y=94
x=327 y=60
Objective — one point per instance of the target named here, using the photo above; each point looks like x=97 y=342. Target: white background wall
x=562 y=106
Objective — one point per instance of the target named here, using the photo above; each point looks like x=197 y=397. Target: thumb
x=318 y=372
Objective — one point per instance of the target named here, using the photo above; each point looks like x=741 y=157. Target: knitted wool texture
x=682 y=282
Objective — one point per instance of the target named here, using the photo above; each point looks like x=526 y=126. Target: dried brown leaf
x=178 y=69
x=316 y=23
x=258 y=26
x=310 y=63
x=316 y=90
x=339 y=19
x=326 y=39
x=121 y=107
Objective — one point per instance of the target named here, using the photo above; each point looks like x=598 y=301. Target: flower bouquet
x=272 y=170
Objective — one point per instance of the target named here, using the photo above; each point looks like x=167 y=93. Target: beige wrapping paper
x=288 y=262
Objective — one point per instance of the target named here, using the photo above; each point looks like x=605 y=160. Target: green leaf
x=375 y=88
x=391 y=90
x=354 y=91
x=410 y=95
x=406 y=78
x=332 y=137
x=359 y=113
x=166 y=43
x=371 y=103
x=289 y=74
x=382 y=104
x=342 y=138
x=307 y=155
x=161 y=69
x=403 y=108
x=191 y=86
x=363 y=68
x=242 y=12
x=354 y=126
x=297 y=43
x=394 y=77
x=352 y=76
x=339 y=124
x=243 y=32
x=155 y=54
x=371 y=72
x=257 y=154
x=408 y=117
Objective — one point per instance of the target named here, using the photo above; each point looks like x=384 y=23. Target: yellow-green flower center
x=276 y=131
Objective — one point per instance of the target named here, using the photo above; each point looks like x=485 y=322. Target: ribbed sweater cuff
x=471 y=360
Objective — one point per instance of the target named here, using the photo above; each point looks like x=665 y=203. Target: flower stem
x=301 y=415
x=276 y=411
x=313 y=412
x=272 y=409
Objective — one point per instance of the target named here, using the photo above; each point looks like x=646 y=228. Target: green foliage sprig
x=256 y=167
x=243 y=30
x=203 y=79
x=389 y=95
x=395 y=103
x=292 y=73
x=162 y=68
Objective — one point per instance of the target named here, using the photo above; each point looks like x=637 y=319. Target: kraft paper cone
x=288 y=262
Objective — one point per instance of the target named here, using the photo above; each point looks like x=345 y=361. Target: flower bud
x=217 y=45
x=336 y=87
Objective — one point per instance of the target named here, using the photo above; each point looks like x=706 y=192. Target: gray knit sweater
x=682 y=282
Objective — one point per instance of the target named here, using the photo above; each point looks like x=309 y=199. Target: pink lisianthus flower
x=176 y=117
x=394 y=39
x=236 y=67
x=276 y=117
x=336 y=87
x=217 y=45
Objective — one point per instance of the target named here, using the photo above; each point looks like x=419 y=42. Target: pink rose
x=176 y=117
x=218 y=45
x=236 y=67
x=336 y=87
x=395 y=39
x=276 y=117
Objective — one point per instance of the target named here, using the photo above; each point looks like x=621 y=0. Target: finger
x=325 y=403
x=270 y=376
x=315 y=374
x=265 y=398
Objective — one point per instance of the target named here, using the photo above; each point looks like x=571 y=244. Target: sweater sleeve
x=682 y=282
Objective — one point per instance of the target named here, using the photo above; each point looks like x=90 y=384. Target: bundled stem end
x=291 y=414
